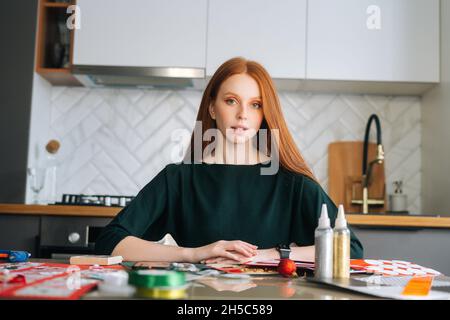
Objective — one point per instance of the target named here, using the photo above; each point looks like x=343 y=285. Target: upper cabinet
x=365 y=46
x=141 y=33
x=373 y=40
x=269 y=31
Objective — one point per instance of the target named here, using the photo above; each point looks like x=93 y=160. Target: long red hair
x=289 y=156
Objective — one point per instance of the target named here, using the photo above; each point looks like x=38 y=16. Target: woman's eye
x=257 y=105
x=230 y=101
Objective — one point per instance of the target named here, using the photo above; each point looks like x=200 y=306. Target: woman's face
x=238 y=108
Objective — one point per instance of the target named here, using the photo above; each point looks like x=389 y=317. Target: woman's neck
x=226 y=152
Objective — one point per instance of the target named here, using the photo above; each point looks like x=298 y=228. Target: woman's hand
x=260 y=255
x=230 y=250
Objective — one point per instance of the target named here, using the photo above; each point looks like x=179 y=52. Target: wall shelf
x=56 y=5
x=54 y=45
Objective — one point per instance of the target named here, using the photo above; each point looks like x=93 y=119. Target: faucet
x=367 y=171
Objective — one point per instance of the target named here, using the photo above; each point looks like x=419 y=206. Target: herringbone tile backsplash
x=113 y=141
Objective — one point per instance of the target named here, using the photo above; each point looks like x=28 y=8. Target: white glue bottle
x=323 y=247
x=341 y=244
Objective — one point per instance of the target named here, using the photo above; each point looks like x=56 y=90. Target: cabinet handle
x=74 y=237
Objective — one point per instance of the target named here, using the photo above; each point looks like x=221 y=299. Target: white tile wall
x=113 y=141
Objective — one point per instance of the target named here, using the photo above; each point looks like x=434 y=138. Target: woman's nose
x=242 y=114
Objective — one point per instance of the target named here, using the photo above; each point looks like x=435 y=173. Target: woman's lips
x=239 y=129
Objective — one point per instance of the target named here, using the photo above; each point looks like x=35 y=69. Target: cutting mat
x=345 y=175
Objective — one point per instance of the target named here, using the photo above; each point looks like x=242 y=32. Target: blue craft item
x=14 y=256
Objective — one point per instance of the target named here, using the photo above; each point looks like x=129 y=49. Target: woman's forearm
x=135 y=249
x=303 y=253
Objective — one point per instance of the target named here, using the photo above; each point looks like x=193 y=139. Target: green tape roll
x=158 y=293
x=157 y=278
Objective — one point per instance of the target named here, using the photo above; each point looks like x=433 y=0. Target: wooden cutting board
x=345 y=175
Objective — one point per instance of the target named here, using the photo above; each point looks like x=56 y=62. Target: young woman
x=217 y=204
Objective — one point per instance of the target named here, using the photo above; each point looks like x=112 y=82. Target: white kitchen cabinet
x=141 y=33
x=271 y=32
x=373 y=40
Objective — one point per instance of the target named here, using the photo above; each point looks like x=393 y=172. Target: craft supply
x=96 y=260
x=389 y=287
x=116 y=284
x=162 y=293
x=234 y=276
x=392 y=267
x=341 y=246
x=188 y=267
x=48 y=280
x=418 y=286
x=157 y=278
x=323 y=246
x=14 y=256
x=13 y=278
x=159 y=284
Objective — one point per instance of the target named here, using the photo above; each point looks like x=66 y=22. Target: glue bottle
x=323 y=246
x=341 y=246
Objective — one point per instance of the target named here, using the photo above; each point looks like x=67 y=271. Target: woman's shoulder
x=167 y=173
x=303 y=182
x=167 y=176
x=299 y=177
x=175 y=168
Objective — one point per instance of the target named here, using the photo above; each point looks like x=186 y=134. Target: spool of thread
x=157 y=278
x=159 y=284
x=162 y=293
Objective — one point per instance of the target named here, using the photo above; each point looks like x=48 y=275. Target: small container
x=398 y=202
x=341 y=246
x=323 y=246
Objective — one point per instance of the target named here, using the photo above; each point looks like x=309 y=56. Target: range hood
x=139 y=77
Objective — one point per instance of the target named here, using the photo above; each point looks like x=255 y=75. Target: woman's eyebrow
x=234 y=94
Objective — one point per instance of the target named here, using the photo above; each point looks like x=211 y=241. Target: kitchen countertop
x=59 y=210
x=388 y=220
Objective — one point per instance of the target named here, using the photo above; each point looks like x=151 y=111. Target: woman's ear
x=211 y=111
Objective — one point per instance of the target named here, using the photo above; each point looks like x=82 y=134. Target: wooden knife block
x=345 y=175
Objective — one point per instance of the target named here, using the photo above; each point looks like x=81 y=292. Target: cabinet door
x=426 y=247
x=375 y=40
x=142 y=33
x=19 y=232
x=269 y=31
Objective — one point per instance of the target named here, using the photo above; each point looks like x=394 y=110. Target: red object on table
x=20 y=278
x=287 y=267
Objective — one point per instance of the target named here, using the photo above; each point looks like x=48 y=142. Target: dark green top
x=202 y=203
